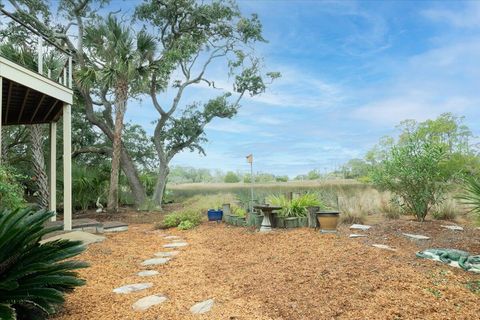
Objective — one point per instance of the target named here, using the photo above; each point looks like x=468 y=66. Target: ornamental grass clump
x=34 y=277
x=296 y=207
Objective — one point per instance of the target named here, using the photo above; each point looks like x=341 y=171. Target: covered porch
x=29 y=98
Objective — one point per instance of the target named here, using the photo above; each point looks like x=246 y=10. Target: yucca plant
x=471 y=195
x=34 y=277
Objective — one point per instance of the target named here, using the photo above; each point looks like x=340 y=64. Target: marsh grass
x=356 y=201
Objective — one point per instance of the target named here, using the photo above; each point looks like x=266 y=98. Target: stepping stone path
x=155 y=261
x=416 y=236
x=360 y=227
x=175 y=245
x=147 y=302
x=133 y=288
x=383 y=246
x=167 y=254
x=202 y=307
x=454 y=228
x=172 y=237
x=148 y=273
x=354 y=235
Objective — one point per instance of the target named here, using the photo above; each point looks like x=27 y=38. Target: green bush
x=231 y=177
x=11 y=191
x=186 y=225
x=175 y=219
x=414 y=172
x=34 y=277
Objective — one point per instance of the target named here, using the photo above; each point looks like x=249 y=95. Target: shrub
x=11 y=191
x=34 y=277
x=175 y=219
x=231 y=177
x=186 y=225
x=471 y=195
x=239 y=211
x=414 y=171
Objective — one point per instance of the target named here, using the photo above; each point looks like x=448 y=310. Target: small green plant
x=175 y=219
x=186 y=225
x=239 y=211
x=474 y=286
x=11 y=191
x=34 y=277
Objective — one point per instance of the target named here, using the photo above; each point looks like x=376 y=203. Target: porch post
x=53 y=169
x=67 y=167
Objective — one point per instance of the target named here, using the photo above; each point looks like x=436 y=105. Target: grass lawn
x=295 y=274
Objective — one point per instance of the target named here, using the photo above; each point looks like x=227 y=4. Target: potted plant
x=240 y=216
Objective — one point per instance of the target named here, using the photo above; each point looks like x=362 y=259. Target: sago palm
x=471 y=195
x=118 y=66
x=34 y=277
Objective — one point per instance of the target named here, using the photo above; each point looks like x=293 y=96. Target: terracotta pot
x=328 y=221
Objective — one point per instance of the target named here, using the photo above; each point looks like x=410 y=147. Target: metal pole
x=251 y=186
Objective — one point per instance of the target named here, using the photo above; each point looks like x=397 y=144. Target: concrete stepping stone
x=172 y=237
x=355 y=235
x=363 y=227
x=129 y=288
x=175 y=245
x=416 y=236
x=155 y=261
x=167 y=254
x=114 y=226
x=85 y=237
x=454 y=227
x=148 y=273
x=383 y=246
x=202 y=307
x=147 y=302
x=178 y=240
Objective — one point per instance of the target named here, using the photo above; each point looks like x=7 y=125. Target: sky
x=351 y=71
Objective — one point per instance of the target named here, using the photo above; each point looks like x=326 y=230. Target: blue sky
x=351 y=71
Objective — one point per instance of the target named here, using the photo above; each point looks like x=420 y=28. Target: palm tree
x=117 y=68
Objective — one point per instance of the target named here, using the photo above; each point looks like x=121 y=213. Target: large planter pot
x=215 y=215
x=258 y=220
x=291 y=222
x=302 y=222
x=279 y=222
x=328 y=221
x=241 y=222
x=229 y=219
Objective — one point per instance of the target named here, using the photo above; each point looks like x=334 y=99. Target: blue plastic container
x=215 y=215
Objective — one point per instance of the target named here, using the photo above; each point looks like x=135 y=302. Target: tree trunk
x=161 y=184
x=38 y=161
x=112 y=205
x=128 y=166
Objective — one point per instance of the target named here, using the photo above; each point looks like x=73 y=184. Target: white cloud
x=468 y=17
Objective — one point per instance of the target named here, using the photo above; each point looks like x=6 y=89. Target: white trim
x=35 y=81
x=53 y=170
x=67 y=167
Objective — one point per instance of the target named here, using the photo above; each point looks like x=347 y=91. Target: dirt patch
x=297 y=274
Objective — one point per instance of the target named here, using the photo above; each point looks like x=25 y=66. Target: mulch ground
x=289 y=274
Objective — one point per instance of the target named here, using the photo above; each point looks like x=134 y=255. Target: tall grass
x=356 y=201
